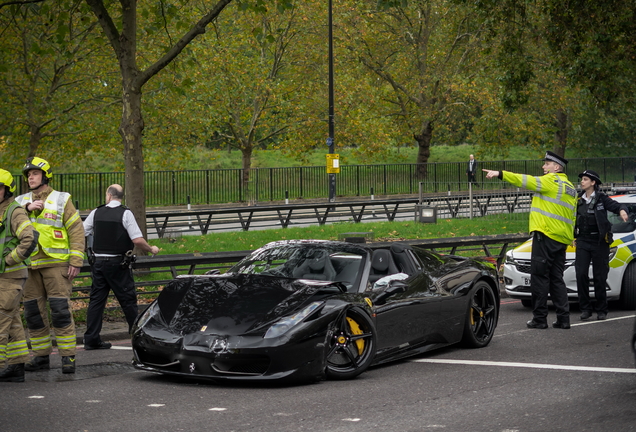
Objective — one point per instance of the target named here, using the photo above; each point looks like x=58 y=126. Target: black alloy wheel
x=352 y=345
x=481 y=317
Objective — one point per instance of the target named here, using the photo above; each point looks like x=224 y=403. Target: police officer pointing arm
x=552 y=228
x=115 y=233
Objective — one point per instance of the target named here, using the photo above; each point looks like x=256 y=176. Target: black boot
x=36 y=363
x=68 y=364
x=12 y=373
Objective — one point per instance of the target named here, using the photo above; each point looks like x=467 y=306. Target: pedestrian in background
x=18 y=241
x=552 y=228
x=593 y=233
x=53 y=268
x=471 y=170
x=115 y=232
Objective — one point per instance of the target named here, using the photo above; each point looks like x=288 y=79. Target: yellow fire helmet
x=6 y=179
x=39 y=164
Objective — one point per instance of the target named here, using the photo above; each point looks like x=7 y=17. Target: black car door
x=406 y=311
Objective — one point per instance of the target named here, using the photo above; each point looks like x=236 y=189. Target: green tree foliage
x=423 y=55
x=49 y=84
x=556 y=65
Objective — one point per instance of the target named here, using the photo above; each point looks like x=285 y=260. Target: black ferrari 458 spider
x=310 y=309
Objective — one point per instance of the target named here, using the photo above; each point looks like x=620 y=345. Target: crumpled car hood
x=235 y=304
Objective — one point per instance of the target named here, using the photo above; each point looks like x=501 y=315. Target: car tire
x=526 y=303
x=481 y=316
x=628 y=289
x=352 y=345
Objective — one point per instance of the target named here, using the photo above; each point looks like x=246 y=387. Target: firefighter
x=552 y=216
x=19 y=241
x=52 y=268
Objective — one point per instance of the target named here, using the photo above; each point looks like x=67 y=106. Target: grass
x=383 y=231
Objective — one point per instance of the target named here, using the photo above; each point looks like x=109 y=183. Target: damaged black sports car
x=310 y=309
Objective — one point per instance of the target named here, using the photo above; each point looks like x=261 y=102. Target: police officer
x=552 y=228
x=18 y=240
x=52 y=268
x=115 y=233
x=593 y=233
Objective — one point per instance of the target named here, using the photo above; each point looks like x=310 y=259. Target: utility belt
x=125 y=261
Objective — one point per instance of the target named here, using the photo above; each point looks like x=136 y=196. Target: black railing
x=166 y=188
x=158 y=271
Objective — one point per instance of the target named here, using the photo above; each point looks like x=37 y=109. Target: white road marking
x=526 y=365
x=93 y=401
x=115 y=347
x=525 y=329
x=351 y=419
x=36 y=397
x=156 y=405
x=602 y=321
x=217 y=409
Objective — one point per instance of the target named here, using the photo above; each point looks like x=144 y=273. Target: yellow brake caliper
x=356 y=330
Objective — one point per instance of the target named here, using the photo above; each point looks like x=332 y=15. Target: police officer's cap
x=592 y=175
x=553 y=157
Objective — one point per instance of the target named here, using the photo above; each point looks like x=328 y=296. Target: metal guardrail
x=199 y=263
x=449 y=205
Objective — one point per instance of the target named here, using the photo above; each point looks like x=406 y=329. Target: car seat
x=382 y=264
x=317 y=268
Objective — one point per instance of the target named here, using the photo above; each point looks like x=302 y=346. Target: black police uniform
x=108 y=272
x=593 y=233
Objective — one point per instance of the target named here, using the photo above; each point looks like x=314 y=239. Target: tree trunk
x=130 y=129
x=561 y=134
x=34 y=140
x=424 y=149
x=246 y=151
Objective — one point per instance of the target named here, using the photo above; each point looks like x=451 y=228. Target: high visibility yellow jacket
x=553 y=209
x=61 y=231
x=18 y=240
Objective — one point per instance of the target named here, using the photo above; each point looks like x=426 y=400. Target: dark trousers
x=598 y=254
x=109 y=275
x=547 y=266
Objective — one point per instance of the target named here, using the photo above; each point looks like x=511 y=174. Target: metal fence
x=166 y=188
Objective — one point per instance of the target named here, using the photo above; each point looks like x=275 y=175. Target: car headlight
x=285 y=324
x=612 y=253
x=569 y=263
x=151 y=311
x=510 y=260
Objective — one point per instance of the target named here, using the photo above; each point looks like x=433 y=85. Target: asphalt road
x=581 y=379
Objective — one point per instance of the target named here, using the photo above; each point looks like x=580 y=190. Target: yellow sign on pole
x=333 y=163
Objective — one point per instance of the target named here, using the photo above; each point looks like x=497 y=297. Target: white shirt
x=128 y=220
x=587 y=200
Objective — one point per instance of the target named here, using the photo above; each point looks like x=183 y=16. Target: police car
x=621 y=279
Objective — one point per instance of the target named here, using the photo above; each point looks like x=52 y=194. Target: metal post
x=373 y=207
x=330 y=140
x=470 y=197
x=189 y=217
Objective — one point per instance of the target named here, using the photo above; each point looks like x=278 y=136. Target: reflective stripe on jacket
x=54 y=241
x=8 y=241
x=553 y=208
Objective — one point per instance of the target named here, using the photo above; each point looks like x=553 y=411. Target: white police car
x=621 y=279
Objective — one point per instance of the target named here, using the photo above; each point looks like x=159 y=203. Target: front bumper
x=243 y=358
x=517 y=281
